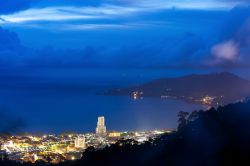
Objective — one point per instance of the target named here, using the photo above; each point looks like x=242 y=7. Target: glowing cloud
x=226 y=51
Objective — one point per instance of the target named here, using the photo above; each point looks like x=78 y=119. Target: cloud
x=11 y=49
x=205 y=4
x=11 y=6
x=49 y=10
x=196 y=47
x=79 y=27
x=243 y=34
x=62 y=13
x=49 y=56
x=8 y=41
x=228 y=50
x=234 y=41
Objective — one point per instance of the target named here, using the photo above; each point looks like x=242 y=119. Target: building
x=114 y=134
x=80 y=142
x=101 y=128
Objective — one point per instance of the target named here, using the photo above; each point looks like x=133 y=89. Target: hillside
x=211 y=89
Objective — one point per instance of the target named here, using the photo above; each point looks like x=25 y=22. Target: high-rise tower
x=80 y=142
x=101 y=128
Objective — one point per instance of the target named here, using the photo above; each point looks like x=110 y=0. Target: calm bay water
x=78 y=112
x=65 y=100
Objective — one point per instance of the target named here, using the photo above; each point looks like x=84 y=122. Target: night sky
x=69 y=46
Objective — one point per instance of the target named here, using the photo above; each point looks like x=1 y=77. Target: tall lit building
x=101 y=128
x=80 y=142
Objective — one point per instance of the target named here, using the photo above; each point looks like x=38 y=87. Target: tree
x=182 y=119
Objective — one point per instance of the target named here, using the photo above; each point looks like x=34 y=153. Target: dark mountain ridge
x=215 y=88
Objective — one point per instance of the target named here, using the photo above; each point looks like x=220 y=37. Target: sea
x=57 y=100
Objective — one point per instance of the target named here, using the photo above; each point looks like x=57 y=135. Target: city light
x=59 y=148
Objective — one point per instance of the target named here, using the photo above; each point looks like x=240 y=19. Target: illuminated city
x=59 y=148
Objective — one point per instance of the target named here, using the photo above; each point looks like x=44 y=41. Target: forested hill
x=222 y=88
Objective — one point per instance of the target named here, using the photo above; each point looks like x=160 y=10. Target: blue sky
x=125 y=33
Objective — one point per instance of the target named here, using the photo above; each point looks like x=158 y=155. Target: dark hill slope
x=224 y=87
